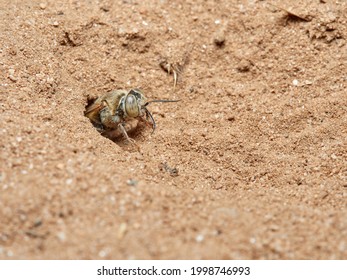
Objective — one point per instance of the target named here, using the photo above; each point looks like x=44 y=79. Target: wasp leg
x=99 y=127
x=150 y=117
x=171 y=69
x=176 y=71
x=175 y=78
x=125 y=134
x=146 y=121
x=168 y=66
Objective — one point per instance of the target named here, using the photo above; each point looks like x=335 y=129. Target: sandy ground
x=250 y=164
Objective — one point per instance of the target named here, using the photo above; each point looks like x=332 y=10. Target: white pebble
x=199 y=238
x=9 y=253
x=68 y=181
x=102 y=254
x=12 y=78
x=61 y=236
x=295 y=82
x=50 y=80
x=43 y=6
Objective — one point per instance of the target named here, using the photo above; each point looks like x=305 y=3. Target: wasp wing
x=110 y=100
x=93 y=110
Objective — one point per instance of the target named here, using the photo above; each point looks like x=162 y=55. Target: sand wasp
x=118 y=112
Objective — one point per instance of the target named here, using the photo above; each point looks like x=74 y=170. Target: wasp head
x=135 y=105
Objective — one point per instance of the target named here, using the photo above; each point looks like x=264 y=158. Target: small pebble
x=60 y=166
x=69 y=181
x=102 y=254
x=105 y=8
x=43 y=6
x=199 y=238
x=132 y=182
x=61 y=236
x=295 y=82
x=22 y=217
x=50 y=80
x=122 y=230
x=38 y=222
x=9 y=253
x=219 y=38
x=12 y=78
x=244 y=66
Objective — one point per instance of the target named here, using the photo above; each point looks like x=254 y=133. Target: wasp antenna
x=148 y=113
x=159 y=100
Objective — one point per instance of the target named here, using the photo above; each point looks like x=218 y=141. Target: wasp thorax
x=131 y=106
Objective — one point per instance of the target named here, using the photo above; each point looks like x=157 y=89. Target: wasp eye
x=131 y=106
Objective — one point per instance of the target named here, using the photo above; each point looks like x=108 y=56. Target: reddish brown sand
x=250 y=164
